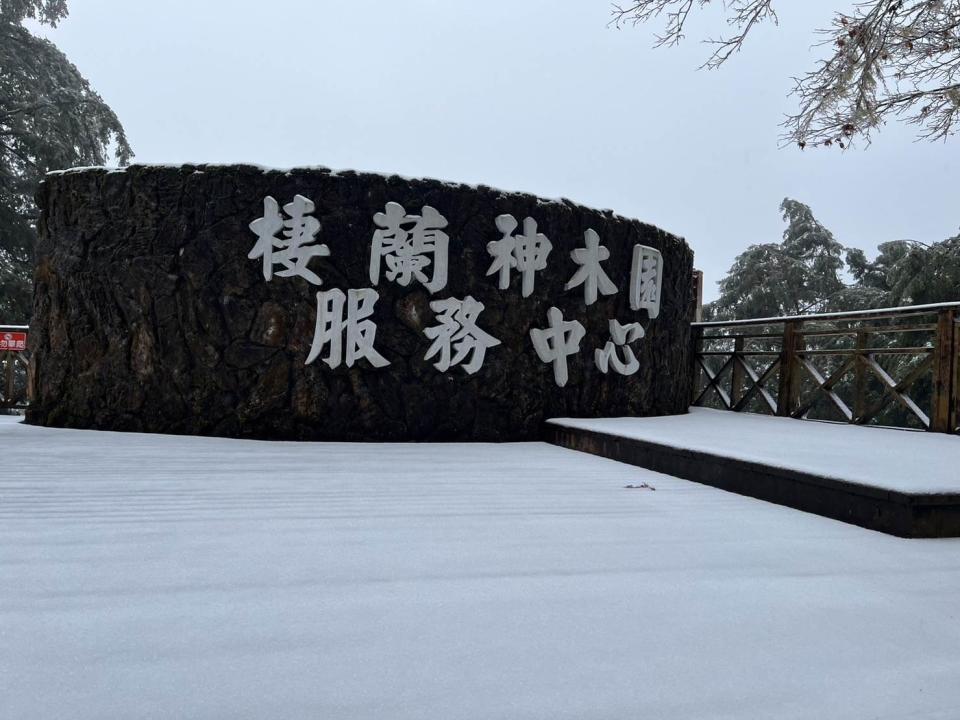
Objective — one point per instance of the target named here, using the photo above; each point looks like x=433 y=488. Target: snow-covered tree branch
x=883 y=59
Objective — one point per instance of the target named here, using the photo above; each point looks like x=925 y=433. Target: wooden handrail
x=905 y=311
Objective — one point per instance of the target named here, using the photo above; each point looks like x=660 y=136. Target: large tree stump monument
x=318 y=305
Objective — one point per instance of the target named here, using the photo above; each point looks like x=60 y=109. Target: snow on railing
x=902 y=311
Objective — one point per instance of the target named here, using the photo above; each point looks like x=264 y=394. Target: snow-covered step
x=900 y=482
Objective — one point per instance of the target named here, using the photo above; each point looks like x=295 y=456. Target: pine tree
x=50 y=118
x=802 y=273
x=799 y=274
x=926 y=274
x=905 y=272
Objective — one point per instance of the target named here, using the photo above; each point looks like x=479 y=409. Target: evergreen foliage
x=799 y=274
x=804 y=273
x=50 y=118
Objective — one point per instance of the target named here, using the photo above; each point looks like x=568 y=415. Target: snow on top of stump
x=198 y=168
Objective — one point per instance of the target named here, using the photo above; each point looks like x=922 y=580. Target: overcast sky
x=533 y=95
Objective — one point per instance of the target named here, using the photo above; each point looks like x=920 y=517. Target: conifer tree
x=50 y=118
x=799 y=274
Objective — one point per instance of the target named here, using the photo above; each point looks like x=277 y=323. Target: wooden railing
x=13 y=372
x=890 y=366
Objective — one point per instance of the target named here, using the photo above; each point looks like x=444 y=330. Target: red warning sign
x=13 y=341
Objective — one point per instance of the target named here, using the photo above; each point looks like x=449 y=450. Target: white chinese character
x=405 y=241
x=458 y=334
x=293 y=250
x=590 y=274
x=621 y=336
x=554 y=343
x=646 y=279
x=266 y=228
x=527 y=253
x=331 y=326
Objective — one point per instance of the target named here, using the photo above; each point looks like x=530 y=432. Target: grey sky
x=530 y=95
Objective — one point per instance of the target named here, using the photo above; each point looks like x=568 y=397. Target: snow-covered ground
x=905 y=460
x=168 y=577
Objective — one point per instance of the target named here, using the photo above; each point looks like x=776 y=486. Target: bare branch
x=742 y=15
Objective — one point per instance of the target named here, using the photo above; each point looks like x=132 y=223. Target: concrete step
x=896 y=512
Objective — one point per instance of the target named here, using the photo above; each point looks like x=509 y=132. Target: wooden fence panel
x=864 y=352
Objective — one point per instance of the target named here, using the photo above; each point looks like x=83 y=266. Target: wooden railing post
x=860 y=377
x=788 y=396
x=736 y=374
x=696 y=341
x=6 y=360
x=944 y=405
x=955 y=400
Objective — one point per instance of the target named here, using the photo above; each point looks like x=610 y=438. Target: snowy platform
x=902 y=482
x=175 y=577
